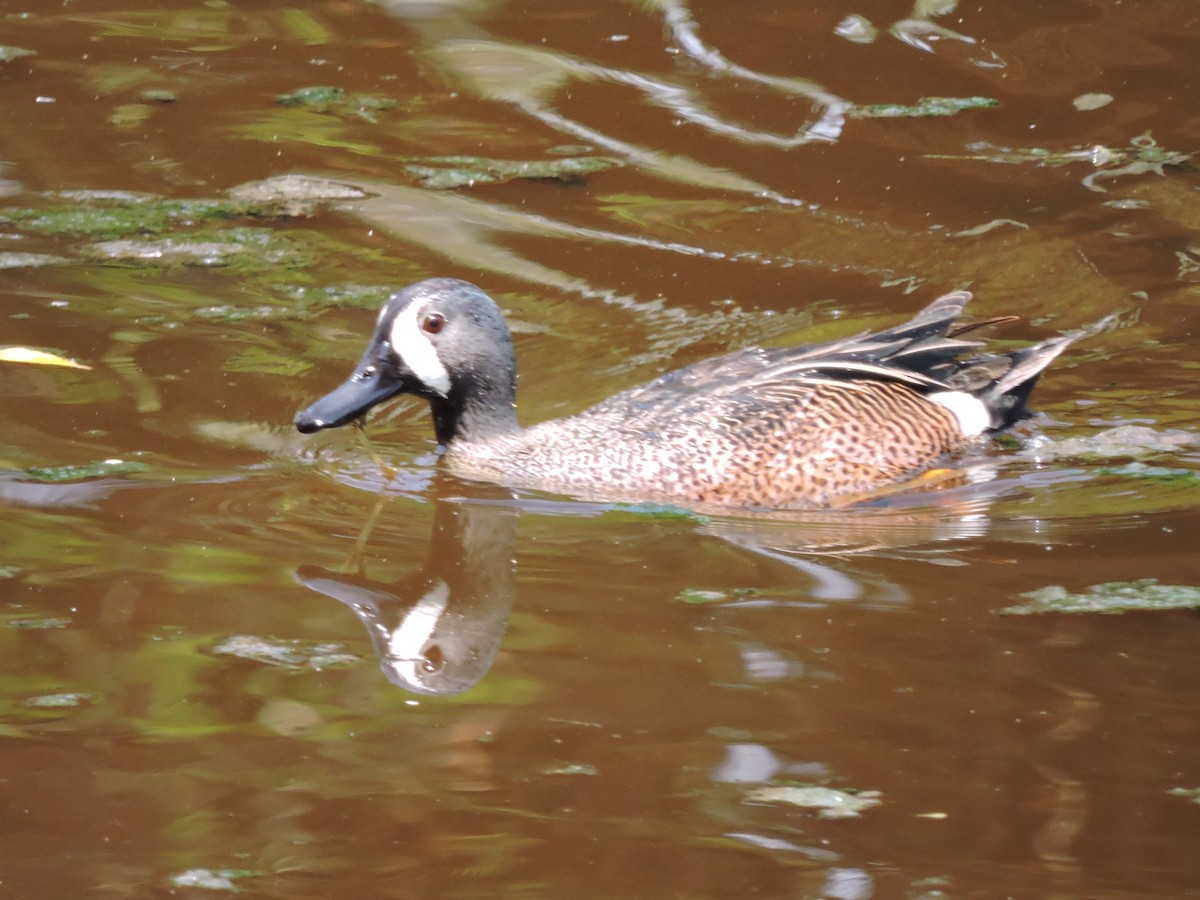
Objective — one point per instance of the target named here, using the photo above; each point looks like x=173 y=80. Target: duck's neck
x=477 y=408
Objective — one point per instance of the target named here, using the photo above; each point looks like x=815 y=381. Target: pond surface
x=200 y=606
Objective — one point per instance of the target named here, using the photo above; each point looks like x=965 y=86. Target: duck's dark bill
x=344 y=404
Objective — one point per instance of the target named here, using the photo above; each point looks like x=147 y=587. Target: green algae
x=265 y=361
x=1145 y=594
x=111 y=215
x=339 y=296
x=128 y=115
x=36 y=623
x=304 y=26
x=323 y=98
x=1119 y=441
x=662 y=511
x=302 y=301
x=703 y=597
x=106 y=468
x=1155 y=474
x=925 y=107
x=243 y=249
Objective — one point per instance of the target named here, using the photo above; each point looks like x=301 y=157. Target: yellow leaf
x=37 y=358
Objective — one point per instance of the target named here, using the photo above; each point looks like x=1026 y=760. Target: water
x=201 y=683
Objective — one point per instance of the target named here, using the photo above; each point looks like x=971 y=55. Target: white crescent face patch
x=414 y=347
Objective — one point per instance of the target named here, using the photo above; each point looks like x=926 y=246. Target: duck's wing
x=926 y=354
x=910 y=353
x=913 y=353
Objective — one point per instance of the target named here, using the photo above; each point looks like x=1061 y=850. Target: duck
x=758 y=429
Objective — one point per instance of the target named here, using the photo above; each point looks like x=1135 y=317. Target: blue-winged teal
x=779 y=428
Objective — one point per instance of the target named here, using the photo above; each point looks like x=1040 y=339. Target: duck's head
x=441 y=339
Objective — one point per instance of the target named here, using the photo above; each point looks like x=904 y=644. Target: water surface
x=197 y=688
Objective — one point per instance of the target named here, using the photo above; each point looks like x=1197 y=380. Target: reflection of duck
x=438 y=633
x=781 y=428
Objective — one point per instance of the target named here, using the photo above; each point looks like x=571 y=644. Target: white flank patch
x=418 y=351
x=407 y=641
x=973 y=417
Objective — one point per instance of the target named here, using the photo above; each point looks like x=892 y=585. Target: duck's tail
x=1006 y=397
x=989 y=392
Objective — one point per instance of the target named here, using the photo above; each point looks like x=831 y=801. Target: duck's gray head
x=441 y=339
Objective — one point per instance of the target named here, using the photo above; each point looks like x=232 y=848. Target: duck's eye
x=433 y=323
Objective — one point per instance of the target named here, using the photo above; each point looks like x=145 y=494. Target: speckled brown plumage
x=781 y=428
x=800 y=448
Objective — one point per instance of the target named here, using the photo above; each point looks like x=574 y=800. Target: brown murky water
x=621 y=702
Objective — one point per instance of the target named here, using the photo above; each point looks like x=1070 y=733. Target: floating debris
x=1192 y=794
x=37 y=358
x=572 y=769
x=1112 y=597
x=832 y=803
x=288 y=189
x=698 y=597
x=926 y=106
x=1088 y=102
x=289 y=654
x=767 y=842
x=1142 y=155
x=1189 y=263
x=324 y=98
x=448 y=172
x=989 y=226
x=8 y=54
x=12 y=260
x=920 y=33
x=857 y=29
x=211 y=879
x=66 y=700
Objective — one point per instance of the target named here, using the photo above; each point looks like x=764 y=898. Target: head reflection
x=438 y=631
